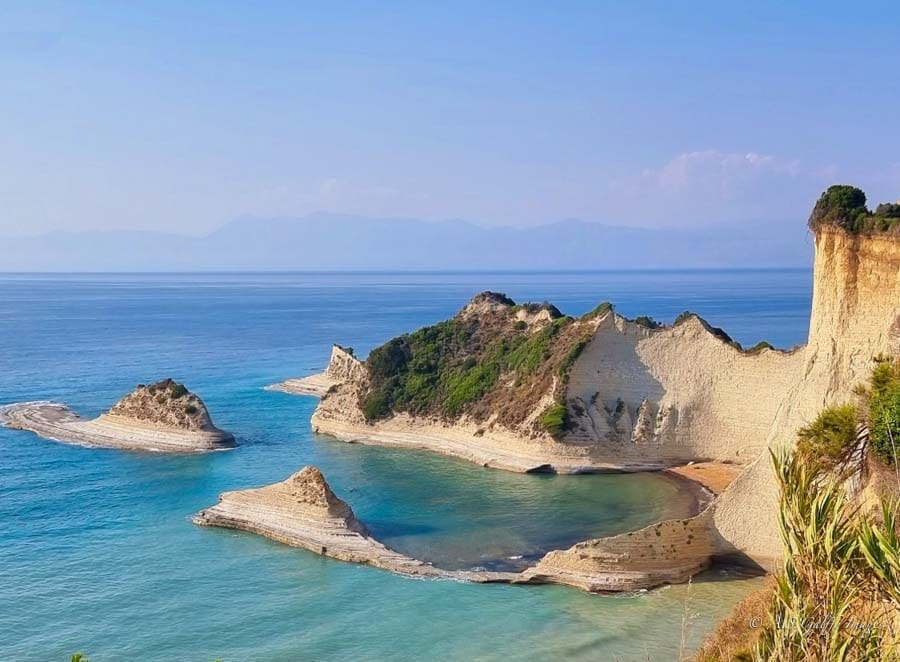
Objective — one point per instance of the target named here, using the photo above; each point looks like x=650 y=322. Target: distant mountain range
x=325 y=241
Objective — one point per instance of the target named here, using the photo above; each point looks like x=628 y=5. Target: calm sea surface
x=97 y=551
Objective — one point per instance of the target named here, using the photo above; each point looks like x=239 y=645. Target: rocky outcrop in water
x=163 y=417
x=303 y=511
x=166 y=403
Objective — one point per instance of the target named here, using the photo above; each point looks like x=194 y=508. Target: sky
x=179 y=117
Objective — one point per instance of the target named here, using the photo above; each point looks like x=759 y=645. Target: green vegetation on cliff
x=832 y=435
x=486 y=359
x=845 y=207
x=884 y=410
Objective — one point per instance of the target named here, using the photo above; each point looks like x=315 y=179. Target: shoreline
x=302 y=511
x=496 y=450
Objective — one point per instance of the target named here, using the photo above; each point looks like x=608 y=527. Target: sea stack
x=164 y=417
x=303 y=511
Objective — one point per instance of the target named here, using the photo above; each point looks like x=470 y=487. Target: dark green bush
x=178 y=390
x=647 y=322
x=888 y=210
x=521 y=325
x=376 y=404
x=884 y=411
x=469 y=385
x=555 y=420
x=845 y=207
x=832 y=433
x=840 y=205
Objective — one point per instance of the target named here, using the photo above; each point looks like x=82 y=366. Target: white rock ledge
x=302 y=511
x=58 y=422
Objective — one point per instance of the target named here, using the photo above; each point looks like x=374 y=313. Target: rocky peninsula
x=525 y=388
x=163 y=417
x=303 y=511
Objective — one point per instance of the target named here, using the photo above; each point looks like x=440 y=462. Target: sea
x=98 y=554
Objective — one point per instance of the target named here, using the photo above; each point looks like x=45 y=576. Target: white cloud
x=713 y=186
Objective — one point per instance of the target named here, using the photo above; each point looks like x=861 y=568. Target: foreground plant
x=838 y=595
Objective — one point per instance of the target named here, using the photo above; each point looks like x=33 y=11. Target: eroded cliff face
x=675 y=394
x=855 y=317
x=343 y=366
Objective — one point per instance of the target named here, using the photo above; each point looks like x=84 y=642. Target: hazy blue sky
x=180 y=116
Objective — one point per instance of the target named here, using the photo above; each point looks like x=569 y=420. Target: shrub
x=884 y=421
x=376 y=404
x=178 y=390
x=390 y=359
x=888 y=210
x=464 y=387
x=442 y=369
x=827 y=438
x=555 y=420
x=845 y=207
x=647 y=322
x=190 y=410
x=840 y=205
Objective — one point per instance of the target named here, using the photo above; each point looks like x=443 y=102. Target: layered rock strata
x=163 y=417
x=303 y=511
x=342 y=366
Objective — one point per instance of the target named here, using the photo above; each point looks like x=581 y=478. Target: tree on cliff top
x=845 y=207
x=840 y=205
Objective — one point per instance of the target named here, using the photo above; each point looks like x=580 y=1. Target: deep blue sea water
x=97 y=551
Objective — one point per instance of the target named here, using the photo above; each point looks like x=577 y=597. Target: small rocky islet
x=160 y=417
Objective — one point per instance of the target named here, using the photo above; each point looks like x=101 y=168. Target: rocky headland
x=303 y=511
x=163 y=417
x=525 y=388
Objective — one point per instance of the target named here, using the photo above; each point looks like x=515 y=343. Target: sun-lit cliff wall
x=855 y=317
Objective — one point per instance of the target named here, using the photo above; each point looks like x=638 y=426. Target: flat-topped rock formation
x=303 y=511
x=163 y=417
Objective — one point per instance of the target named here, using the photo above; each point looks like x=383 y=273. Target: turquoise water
x=97 y=553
